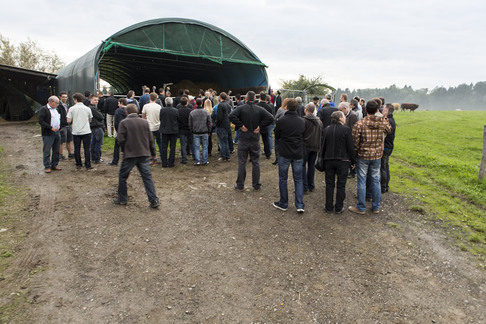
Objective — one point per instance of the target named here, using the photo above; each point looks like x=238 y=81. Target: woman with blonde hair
x=208 y=106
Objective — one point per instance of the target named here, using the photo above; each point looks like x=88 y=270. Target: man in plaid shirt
x=368 y=136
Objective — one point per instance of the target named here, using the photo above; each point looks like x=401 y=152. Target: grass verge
x=436 y=160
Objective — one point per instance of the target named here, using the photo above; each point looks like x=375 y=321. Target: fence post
x=482 y=167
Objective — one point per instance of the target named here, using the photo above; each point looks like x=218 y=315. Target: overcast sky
x=350 y=43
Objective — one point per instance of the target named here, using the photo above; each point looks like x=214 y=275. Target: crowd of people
x=352 y=139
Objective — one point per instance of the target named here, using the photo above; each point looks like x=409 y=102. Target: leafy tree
x=28 y=55
x=312 y=86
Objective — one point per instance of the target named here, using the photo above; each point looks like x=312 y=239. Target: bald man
x=50 y=121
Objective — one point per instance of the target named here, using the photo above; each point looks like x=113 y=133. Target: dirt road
x=213 y=255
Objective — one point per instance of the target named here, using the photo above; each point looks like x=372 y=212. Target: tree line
x=464 y=96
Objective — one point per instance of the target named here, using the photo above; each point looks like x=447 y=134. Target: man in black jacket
x=109 y=107
x=289 y=132
x=325 y=115
x=338 y=154
x=50 y=122
x=250 y=119
x=169 y=129
x=388 y=149
x=65 y=131
x=264 y=131
x=312 y=145
x=223 y=126
x=185 y=135
x=120 y=114
x=97 y=125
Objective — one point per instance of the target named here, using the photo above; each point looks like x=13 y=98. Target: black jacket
x=222 y=115
x=120 y=114
x=97 y=120
x=110 y=105
x=63 y=113
x=251 y=116
x=325 y=115
x=289 y=133
x=390 y=138
x=337 y=143
x=183 y=118
x=45 y=121
x=313 y=133
x=169 y=123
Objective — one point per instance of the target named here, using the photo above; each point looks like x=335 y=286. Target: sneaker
x=238 y=188
x=62 y=157
x=205 y=163
x=112 y=164
x=300 y=210
x=340 y=211
x=375 y=211
x=327 y=211
x=197 y=163
x=117 y=201
x=70 y=155
x=356 y=210
x=155 y=203
x=278 y=206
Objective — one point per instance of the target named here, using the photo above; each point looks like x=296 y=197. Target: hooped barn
x=163 y=51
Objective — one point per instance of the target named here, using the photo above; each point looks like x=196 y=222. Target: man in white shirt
x=50 y=121
x=79 y=116
x=151 y=112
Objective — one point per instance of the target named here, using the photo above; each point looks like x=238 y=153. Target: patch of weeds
x=417 y=208
x=6 y=254
x=394 y=225
x=475 y=238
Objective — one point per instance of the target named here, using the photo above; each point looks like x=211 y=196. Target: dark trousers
x=266 y=143
x=142 y=164
x=309 y=169
x=51 y=143
x=166 y=140
x=86 y=139
x=335 y=168
x=245 y=149
x=116 y=152
x=385 y=171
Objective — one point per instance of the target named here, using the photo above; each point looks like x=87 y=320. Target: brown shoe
x=356 y=210
x=48 y=170
x=57 y=168
x=376 y=211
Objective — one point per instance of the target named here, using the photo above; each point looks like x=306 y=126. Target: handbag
x=320 y=162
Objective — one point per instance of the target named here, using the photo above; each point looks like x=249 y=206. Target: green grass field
x=436 y=160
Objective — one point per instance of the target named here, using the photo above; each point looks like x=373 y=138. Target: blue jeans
x=184 y=139
x=96 y=143
x=270 y=137
x=86 y=139
x=223 y=142
x=143 y=167
x=237 y=134
x=369 y=168
x=283 y=174
x=309 y=169
x=51 y=142
x=199 y=139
